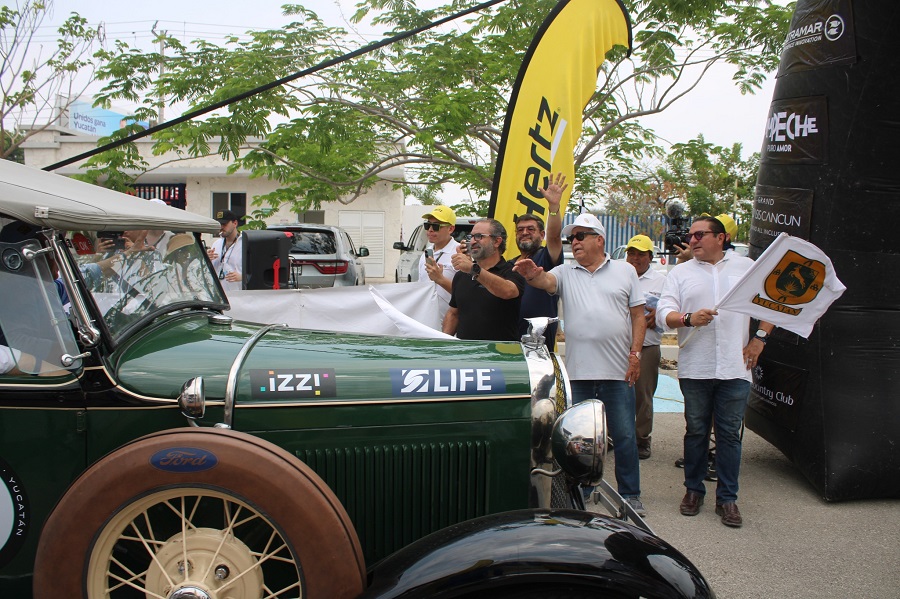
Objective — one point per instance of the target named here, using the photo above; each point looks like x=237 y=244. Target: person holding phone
x=435 y=263
x=486 y=292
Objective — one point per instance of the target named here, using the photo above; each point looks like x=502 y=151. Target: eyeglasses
x=580 y=236
x=479 y=236
x=434 y=226
x=698 y=235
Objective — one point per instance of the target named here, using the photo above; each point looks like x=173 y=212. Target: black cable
x=322 y=65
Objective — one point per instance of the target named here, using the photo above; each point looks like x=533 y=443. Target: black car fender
x=537 y=553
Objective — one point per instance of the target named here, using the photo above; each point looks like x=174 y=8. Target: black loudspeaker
x=266 y=259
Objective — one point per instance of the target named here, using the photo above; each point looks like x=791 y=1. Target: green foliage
x=31 y=81
x=703 y=177
x=428 y=110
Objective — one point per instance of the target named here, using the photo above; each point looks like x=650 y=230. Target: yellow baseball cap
x=444 y=214
x=641 y=243
x=727 y=222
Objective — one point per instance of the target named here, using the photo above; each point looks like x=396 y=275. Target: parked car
x=323 y=256
x=408 y=265
x=659 y=262
x=151 y=446
x=741 y=249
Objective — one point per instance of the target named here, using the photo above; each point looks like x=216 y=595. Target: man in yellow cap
x=440 y=222
x=639 y=253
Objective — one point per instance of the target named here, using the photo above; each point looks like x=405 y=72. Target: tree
x=702 y=177
x=39 y=82
x=428 y=110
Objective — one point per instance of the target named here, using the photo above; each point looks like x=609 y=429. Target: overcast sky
x=716 y=108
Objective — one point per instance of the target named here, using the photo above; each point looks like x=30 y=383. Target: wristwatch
x=476 y=270
x=761 y=335
x=636 y=354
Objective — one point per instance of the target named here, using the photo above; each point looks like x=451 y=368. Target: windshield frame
x=118 y=333
x=37 y=335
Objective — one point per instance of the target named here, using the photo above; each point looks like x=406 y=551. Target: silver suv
x=407 y=266
x=323 y=256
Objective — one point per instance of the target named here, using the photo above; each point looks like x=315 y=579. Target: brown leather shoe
x=643 y=452
x=690 y=505
x=731 y=515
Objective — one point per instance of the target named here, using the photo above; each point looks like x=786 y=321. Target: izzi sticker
x=14 y=514
x=283 y=383
x=447 y=381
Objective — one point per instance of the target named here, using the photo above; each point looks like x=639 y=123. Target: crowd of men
x=615 y=315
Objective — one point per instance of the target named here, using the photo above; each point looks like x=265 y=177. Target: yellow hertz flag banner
x=543 y=122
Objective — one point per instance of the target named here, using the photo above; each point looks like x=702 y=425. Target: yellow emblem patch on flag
x=795 y=280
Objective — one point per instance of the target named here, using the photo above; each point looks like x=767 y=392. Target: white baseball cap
x=585 y=219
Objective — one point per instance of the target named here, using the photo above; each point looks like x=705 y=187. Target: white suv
x=407 y=266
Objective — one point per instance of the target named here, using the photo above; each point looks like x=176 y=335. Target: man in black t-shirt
x=486 y=293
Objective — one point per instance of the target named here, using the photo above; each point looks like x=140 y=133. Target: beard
x=528 y=246
x=481 y=253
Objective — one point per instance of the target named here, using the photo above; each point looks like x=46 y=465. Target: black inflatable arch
x=830 y=173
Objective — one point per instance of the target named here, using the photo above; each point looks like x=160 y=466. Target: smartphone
x=429 y=254
x=118 y=240
x=468 y=245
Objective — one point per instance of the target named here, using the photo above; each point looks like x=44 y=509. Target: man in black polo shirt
x=486 y=293
x=530 y=236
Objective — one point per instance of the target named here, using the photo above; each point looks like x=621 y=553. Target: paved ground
x=793 y=543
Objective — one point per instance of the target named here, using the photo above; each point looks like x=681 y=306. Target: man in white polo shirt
x=604 y=327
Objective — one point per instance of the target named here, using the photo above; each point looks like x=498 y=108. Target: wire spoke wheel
x=247 y=521
x=199 y=539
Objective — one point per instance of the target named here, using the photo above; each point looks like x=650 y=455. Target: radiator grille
x=396 y=494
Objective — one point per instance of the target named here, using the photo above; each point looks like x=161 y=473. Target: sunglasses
x=580 y=235
x=698 y=236
x=434 y=226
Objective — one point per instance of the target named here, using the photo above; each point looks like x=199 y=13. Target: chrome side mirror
x=578 y=441
x=192 y=400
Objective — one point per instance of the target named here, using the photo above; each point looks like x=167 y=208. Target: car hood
x=293 y=365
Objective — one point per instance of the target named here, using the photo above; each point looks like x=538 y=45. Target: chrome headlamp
x=578 y=441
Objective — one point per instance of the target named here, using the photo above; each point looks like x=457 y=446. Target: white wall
x=204 y=176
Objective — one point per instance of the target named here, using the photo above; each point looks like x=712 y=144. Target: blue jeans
x=724 y=401
x=618 y=398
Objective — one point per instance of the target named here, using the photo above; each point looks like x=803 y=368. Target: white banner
x=791 y=285
x=395 y=309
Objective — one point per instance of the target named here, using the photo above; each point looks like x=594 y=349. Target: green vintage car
x=152 y=446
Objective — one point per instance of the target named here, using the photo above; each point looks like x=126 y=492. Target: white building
x=203 y=186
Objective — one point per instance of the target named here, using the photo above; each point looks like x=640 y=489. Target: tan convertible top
x=49 y=200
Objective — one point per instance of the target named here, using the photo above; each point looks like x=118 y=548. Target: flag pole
x=691 y=334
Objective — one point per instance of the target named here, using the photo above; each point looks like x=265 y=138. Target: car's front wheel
x=202 y=512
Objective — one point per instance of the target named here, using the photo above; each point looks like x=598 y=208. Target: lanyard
x=225 y=249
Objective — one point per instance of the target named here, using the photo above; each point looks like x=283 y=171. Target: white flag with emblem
x=791 y=285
